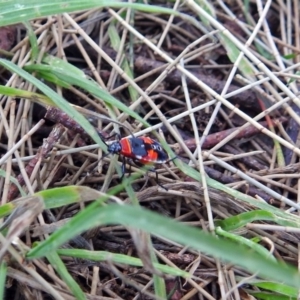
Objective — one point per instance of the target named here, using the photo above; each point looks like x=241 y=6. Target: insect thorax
x=114 y=148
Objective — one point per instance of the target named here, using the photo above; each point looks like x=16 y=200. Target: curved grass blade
x=279 y=288
x=35 y=97
x=269 y=296
x=53 y=198
x=256 y=247
x=33 y=41
x=242 y=219
x=135 y=217
x=121 y=259
x=60 y=69
x=7 y=209
x=13 y=12
x=233 y=53
x=57 y=99
x=58 y=197
x=116 y=42
x=282 y=218
x=3 y=274
x=45 y=101
x=208 y=8
x=61 y=269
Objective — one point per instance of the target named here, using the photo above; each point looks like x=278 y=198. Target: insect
x=142 y=150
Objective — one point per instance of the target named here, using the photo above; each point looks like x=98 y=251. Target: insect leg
x=123 y=167
x=129 y=171
x=159 y=184
x=171 y=159
x=156 y=179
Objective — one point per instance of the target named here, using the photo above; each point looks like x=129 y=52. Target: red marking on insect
x=142 y=149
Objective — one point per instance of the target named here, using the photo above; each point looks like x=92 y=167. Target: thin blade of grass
x=13 y=12
x=33 y=41
x=245 y=241
x=58 y=197
x=53 y=198
x=269 y=296
x=3 y=274
x=278 y=148
x=63 y=72
x=208 y=8
x=142 y=219
x=57 y=99
x=7 y=209
x=284 y=218
x=61 y=269
x=233 y=53
x=275 y=287
x=34 y=97
x=121 y=259
x=45 y=101
x=159 y=287
x=115 y=42
x=245 y=218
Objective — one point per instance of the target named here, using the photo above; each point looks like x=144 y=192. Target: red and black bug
x=143 y=150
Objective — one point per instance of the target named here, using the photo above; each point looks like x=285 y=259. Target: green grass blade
x=33 y=41
x=52 y=78
x=158 y=282
x=3 y=274
x=291 y=80
x=280 y=217
x=208 y=8
x=6 y=209
x=283 y=218
x=58 y=197
x=13 y=12
x=53 y=198
x=233 y=52
x=57 y=99
x=43 y=100
x=116 y=42
x=242 y=219
x=269 y=296
x=135 y=217
x=61 y=269
x=159 y=287
x=119 y=258
x=245 y=241
x=34 y=97
x=61 y=70
x=277 y=287
x=14 y=181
